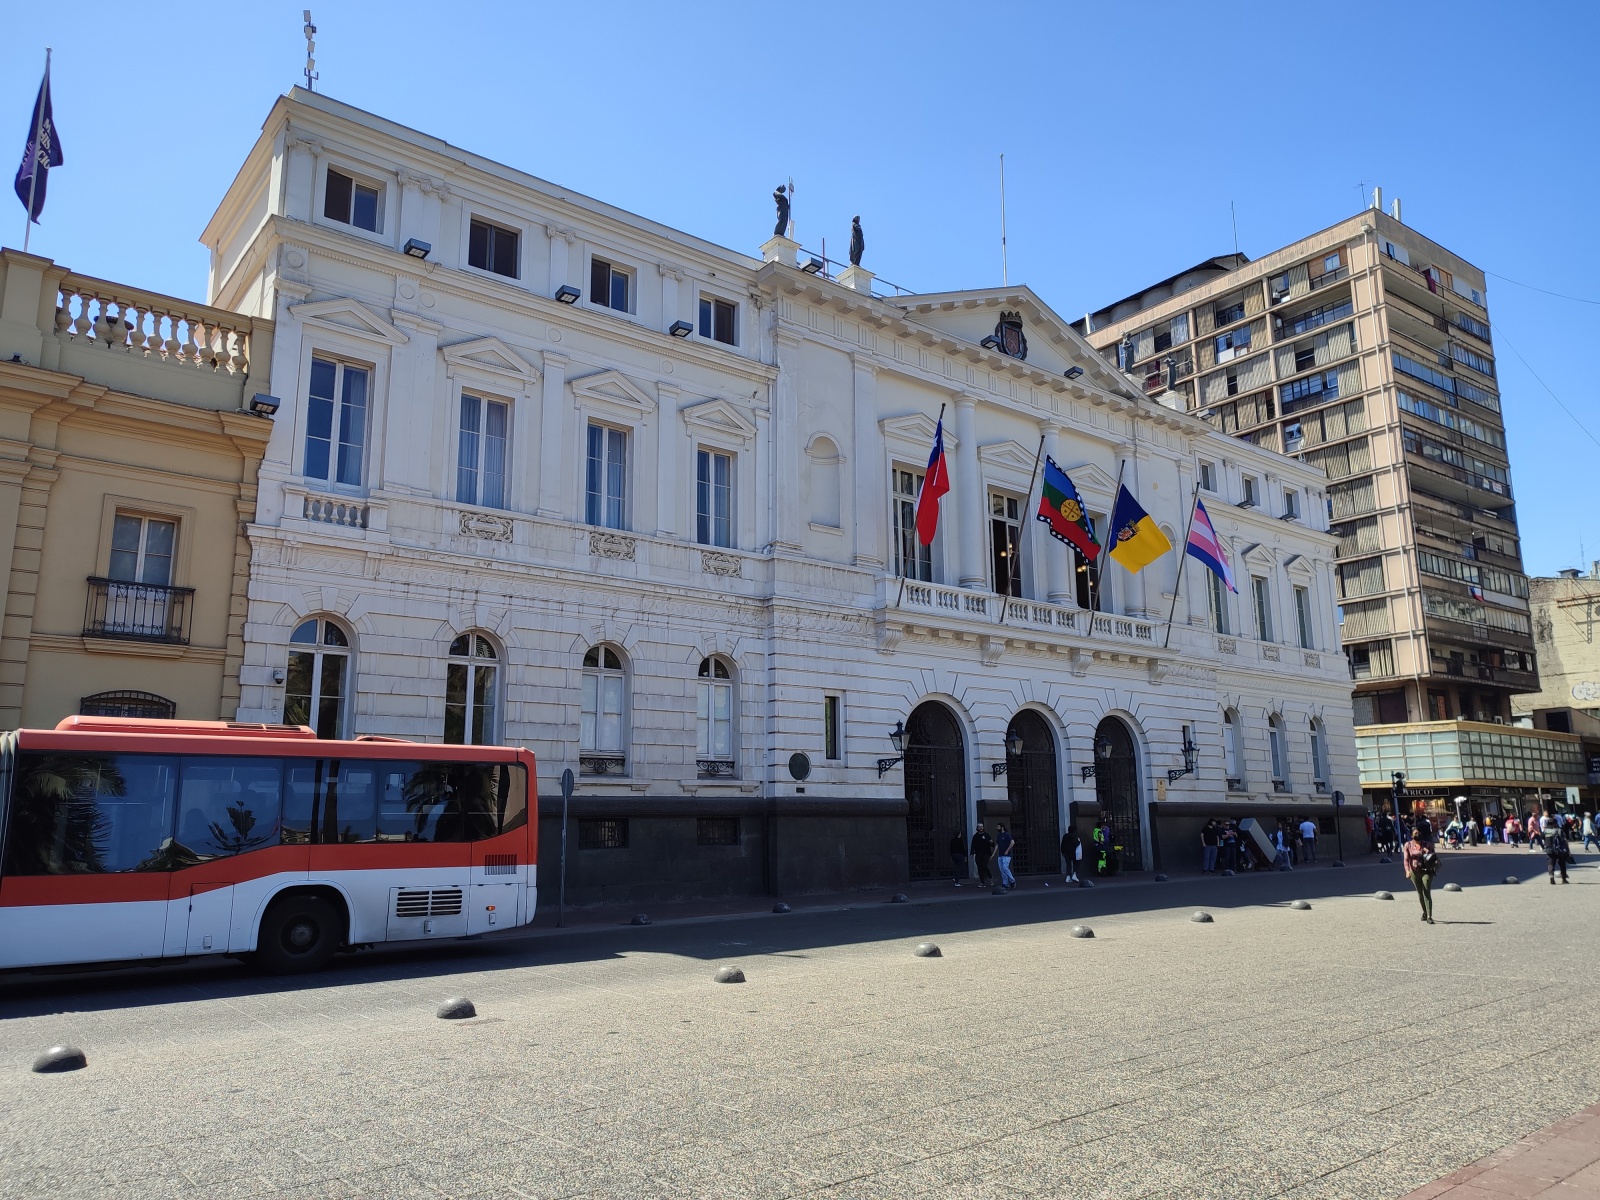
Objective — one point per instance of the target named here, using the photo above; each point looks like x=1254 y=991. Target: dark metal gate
x=1031 y=787
x=936 y=790
x=1116 y=787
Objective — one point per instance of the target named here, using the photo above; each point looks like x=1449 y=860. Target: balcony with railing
x=137 y=612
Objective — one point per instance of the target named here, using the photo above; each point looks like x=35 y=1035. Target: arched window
x=316 y=691
x=1230 y=750
x=601 y=728
x=470 y=691
x=716 y=734
x=1279 y=753
x=1319 y=755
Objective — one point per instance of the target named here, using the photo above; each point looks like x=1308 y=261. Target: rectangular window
x=350 y=202
x=1302 y=616
x=1227 y=314
x=1250 y=496
x=336 y=422
x=717 y=320
x=142 y=549
x=481 y=456
x=608 y=285
x=714 y=498
x=1005 y=536
x=1208 y=476
x=1291 y=503
x=607 y=476
x=832 y=734
x=602 y=833
x=1261 y=590
x=716 y=831
x=492 y=248
x=912 y=560
x=1218 y=594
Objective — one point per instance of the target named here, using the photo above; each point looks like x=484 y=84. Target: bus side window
x=75 y=814
x=228 y=805
x=412 y=798
x=301 y=781
x=490 y=799
x=347 y=803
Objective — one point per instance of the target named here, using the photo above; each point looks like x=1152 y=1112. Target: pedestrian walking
x=1422 y=864
x=1281 y=839
x=1308 y=839
x=1559 y=853
x=1210 y=843
x=958 y=857
x=1538 y=829
x=1230 y=846
x=1474 y=833
x=1004 y=847
x=1071 y=853
x=1588 y=830
x=1488 y=831
x=982 y=852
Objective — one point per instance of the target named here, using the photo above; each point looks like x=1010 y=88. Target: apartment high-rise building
x=1366 y=350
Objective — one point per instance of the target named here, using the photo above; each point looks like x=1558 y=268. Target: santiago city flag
x=1061 y=508
x=1136 y=542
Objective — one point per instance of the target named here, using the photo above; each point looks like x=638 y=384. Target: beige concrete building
x=1365 y=350
x=128 y=462
x=1566 y=630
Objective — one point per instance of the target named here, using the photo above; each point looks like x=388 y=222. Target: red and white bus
x=128 y=839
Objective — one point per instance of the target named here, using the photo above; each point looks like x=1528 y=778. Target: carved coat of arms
x=1010 y=336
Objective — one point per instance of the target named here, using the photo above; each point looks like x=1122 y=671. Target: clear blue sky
x=1480 y=116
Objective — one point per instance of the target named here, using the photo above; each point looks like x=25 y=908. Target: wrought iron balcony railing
x=138 y=612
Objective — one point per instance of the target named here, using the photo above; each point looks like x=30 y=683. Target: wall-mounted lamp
x=1013 y=750
x=1191 y=756
x=263 y=405
x=567 y=294
x=1102 y=749
x=990 y=343
x=1074 y=372
x=680 y=329
x=897 y=739
x=812 y=266
x=417 y=248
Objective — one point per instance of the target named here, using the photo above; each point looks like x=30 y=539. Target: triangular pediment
x=718 y=416
x=493 y=355
x=1298 y=566
x=1087 y=477
x=1257 y=556
x=613 y=387
x=915 y=427
x=348 y=316
x=1010 y=455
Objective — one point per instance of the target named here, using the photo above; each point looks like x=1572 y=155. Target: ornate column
x=671 y=461
x=966 y=487
x=554 y=445
x=870 y=508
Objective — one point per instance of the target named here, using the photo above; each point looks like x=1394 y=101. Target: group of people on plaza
x=1550 y=832
x=1223 y=851
x=994 y=852
x=1385 y=836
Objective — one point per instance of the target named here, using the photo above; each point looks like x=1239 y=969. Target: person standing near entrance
x=1004 y=844
x=1230 y=846
x=1308 y=839
x=1422 y=864
x=1071 y=853
x=1210 y=841
x=1103 y=847
x=982 y=852
x=958 y=857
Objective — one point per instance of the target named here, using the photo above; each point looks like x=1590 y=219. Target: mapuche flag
x=1205 y=545
x=1136 y=540
x=934 y=484
x=1061 y=508
x=42 y=152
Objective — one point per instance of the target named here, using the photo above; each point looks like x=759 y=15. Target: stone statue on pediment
x=780 y=197
x=858 y=241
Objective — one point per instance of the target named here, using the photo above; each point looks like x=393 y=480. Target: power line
x=1502 y=337
x=1546 y=291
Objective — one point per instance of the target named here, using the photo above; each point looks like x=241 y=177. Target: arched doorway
x=936 y=789
x=1116 y=787
x=1031 y=787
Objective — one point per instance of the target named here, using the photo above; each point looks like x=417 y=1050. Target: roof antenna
x=1235 y=214
x=1005 y=270
x=311 y=48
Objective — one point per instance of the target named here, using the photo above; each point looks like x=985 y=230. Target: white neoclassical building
x=548 y=473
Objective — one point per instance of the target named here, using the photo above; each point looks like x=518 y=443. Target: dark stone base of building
x=630 y=850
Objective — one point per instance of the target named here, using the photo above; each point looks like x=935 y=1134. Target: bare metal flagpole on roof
x=33 y=175
x=1005 y=270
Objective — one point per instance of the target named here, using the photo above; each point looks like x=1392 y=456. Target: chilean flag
x=934 y=484
x=1207 y=547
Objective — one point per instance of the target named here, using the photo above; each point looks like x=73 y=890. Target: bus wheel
x=298 y=933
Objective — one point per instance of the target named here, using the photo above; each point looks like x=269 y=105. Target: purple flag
x=43 y=151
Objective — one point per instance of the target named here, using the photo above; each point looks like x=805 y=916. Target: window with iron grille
x=602 y=833
x=716 y=831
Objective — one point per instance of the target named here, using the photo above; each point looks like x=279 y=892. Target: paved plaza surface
x=1344 y=1051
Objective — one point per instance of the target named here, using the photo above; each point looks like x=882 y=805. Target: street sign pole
x=561 y=895
x=1338 y=825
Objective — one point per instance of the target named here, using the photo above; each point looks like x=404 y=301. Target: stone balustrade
x=940 y=601
x=137 y=322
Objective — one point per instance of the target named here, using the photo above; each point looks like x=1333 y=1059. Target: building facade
x=550 y=473
x=127 y=475
x=1366 y=350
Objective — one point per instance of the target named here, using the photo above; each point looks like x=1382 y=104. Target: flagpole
x=1105 y=552
x=33 y=177
x=1182 y=557
x=1023 y=531
x=902 y=591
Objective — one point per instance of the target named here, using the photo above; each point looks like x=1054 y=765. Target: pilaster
x=967 y=487
x=554 y=443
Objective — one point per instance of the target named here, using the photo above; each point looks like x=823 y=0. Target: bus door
x=229 y=851
x=498 y=806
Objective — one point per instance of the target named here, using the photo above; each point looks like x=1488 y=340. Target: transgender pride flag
x=1207 y=547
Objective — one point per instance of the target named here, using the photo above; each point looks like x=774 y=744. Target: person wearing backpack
x=1557 y=852
x=1422 y=864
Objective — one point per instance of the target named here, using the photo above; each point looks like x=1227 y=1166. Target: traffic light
x=1398 y=790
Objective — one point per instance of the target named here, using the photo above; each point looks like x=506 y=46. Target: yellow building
x=128 y=460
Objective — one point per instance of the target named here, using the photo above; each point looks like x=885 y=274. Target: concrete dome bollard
x=728 y=975
x=60 y=1058
x=457 y=1008
x=927 y=950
